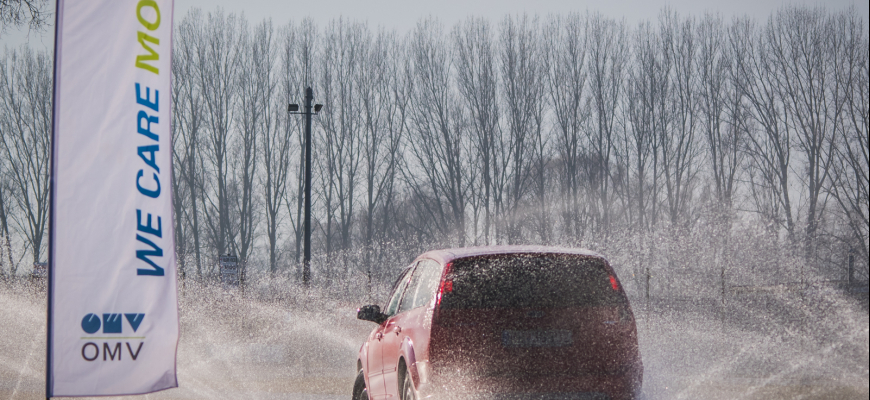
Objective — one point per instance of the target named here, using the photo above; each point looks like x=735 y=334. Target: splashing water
x=781 y=346
x=789 y=345
x=231 y=347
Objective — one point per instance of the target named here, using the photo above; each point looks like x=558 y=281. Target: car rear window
x=530 y=281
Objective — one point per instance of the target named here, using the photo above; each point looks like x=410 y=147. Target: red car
x=505 y=322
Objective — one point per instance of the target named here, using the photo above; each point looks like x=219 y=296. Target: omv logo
x=111 y=323
x=111 y=350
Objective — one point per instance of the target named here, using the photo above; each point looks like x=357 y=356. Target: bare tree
x=770 y=149
x=276 y=144
x=25 y=121
x=188 y=124
x=180 y=191
x=298 y=60
x=254 y=115
x=646 y=91
x=678 y=143
x=384 y=82
x=5 y=240
x=341 y=123
x=566 y=81
x=800 y=39
x=522 y=82
x=723 y=117
x=541 y=139
x=218 y=58
x=608 y=52
x=438 y=177
x=721 y=105
x=849 y=183
x=477 y=83
x=647 y=114
x=23 y=12
x=509 y=132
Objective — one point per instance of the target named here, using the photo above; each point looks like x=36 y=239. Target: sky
x=403 y=15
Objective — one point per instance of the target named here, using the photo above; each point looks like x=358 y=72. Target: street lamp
x=294 y=109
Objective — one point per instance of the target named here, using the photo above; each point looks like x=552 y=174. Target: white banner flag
x=113 y=311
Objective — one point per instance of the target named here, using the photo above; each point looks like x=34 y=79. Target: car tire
x=408 y=392
x=360 y=392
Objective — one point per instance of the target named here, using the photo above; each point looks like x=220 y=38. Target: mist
x=719 y=164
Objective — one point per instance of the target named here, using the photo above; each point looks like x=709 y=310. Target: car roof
x=444 y=256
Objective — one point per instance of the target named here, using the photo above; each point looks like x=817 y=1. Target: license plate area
x=548 y=396
x=537 y=338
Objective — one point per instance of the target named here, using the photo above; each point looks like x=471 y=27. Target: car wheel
x=408 y=392
x=359 y=387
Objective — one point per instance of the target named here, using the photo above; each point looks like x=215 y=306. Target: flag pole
x=49 y=278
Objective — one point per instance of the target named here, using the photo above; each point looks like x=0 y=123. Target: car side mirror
x=371 y=313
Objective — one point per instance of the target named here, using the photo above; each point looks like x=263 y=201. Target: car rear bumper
x=547 y=387
x=533 y=396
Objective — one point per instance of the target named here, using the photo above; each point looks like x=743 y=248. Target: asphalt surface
x=304 y=347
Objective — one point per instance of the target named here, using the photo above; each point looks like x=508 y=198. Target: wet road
x=234 y=347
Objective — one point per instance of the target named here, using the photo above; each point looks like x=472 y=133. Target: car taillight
x=446 y=283
x=446 y=286
x=613 y=283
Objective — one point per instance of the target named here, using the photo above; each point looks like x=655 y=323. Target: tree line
x=565 y=129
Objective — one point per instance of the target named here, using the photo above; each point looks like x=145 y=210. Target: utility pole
x=306 y=258
x=306 y=224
